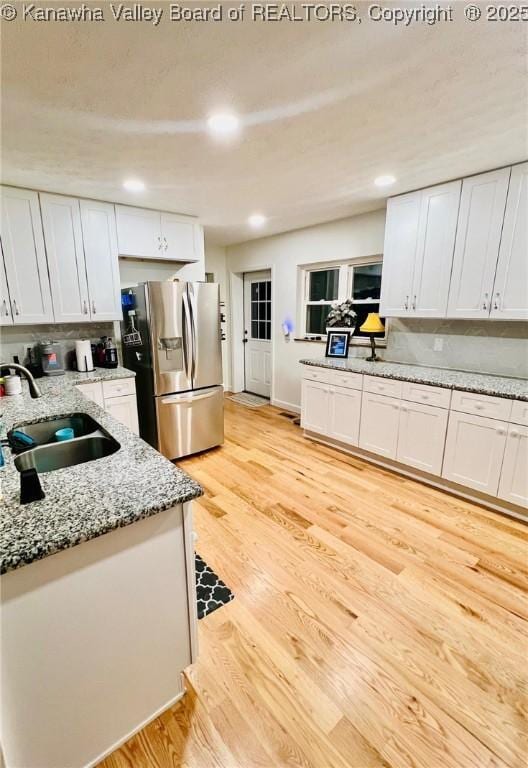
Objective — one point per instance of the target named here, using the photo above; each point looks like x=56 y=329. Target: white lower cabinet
x=474 y=451
x=331 y=410
x=421 y=436
x=122 y=407
x=379 y=424
x=124 y=410
x=315 y=398
x=513 y=486
x=345 y=413
x=474 y=440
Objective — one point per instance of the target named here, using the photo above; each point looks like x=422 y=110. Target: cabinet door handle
x=514 y=434
x=85 y=307
x=501 y=431
x=15 y=307
x=485 y=302
x=403 y=408
x=406 y=303
x=396 y=407
x=6 y=308
x=166 y=245
x=93 y=308
x=414 y=302
x=159 y=243
x=496 y=303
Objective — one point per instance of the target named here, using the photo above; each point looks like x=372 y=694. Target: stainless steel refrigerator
x=171 y=339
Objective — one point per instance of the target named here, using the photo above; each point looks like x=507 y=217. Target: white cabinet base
x=491 y=502
x=89 y=656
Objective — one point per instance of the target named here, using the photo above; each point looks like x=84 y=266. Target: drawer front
x=379 y=386
x=519 y=413
x=426 y=394
x=317 y=374
x=481 y=405
x=119 y=388
x=347 y=379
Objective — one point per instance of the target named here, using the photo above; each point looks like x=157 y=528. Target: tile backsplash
x=486 y=346
x=16 y=340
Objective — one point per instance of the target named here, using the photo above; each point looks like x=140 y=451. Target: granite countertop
x=480 y=383
x=87 y=500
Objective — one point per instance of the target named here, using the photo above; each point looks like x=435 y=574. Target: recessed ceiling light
x=384 y=181
x=134 y=185
x=257 y=220
x=223 y=124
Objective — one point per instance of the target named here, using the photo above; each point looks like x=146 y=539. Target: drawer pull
x=479 y=407
x=425 y=397
x=514 y=434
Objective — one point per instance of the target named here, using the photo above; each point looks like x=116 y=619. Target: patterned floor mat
x=211 y=592
x=249 y=400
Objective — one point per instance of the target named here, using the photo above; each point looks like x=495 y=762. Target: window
x=261 y=310
x=323 y=287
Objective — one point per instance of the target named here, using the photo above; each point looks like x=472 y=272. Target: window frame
x=344 y=291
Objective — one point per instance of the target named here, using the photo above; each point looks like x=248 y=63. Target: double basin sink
x=90 y=442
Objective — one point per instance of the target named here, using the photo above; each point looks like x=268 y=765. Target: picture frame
x=337 y=343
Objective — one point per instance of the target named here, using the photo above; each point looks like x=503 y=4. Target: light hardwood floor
x=376 y=622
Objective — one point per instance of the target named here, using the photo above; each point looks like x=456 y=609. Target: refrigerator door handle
x=178 y=399
x=188 y=353
x=193 y=330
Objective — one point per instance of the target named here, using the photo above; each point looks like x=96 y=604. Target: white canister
x=83 y=353
x=13 y=384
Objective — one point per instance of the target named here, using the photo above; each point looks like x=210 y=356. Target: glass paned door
x=257 y=332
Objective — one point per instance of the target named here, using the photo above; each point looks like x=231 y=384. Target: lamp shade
x=372 y=324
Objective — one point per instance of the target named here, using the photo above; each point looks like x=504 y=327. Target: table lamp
x=371 y=326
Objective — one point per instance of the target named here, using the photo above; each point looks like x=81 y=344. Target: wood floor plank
x=377 y=623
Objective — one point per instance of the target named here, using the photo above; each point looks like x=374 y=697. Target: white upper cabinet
x=100 y=252
x=138 y=232
x=180 y=237
x=434 y=253
x=510 y=292
x=25 y=260
x=401 y=235
x=61 y=218
x=459 y=250
x=146 y=234
x=6 y=314
x=477 y=243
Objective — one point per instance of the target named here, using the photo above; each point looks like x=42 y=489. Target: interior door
x=25 y=259
x=510 y=292
x=62 y=230
x=257 y=333
x=100 y=250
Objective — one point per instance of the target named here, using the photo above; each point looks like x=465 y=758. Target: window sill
x=380 y=343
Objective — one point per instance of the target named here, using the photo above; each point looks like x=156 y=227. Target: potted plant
x=342 y=317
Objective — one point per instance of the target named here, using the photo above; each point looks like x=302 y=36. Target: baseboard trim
x=140 y=727
x=286 y=406
x=434 y=481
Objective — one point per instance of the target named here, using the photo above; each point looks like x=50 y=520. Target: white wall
x=215 y=262
x=351 y=238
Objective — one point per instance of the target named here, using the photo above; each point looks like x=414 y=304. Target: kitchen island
x=98 y=592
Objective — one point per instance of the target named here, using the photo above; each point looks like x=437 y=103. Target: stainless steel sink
x=91 y=442
x=44 y=431
x=52 y=456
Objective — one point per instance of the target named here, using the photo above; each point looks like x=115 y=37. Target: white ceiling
x=326 y=108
